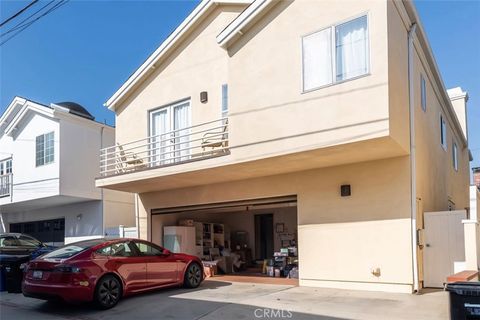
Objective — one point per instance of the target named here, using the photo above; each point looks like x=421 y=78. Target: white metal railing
x=6 y=183
x=197 y=142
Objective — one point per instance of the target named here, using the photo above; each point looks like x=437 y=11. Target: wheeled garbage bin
x=464 y=300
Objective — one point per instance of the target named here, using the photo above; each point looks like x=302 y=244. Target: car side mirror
x=166 y=252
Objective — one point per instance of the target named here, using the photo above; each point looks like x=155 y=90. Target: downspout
x=101 y=189
x=137 y=216
x=413 y=176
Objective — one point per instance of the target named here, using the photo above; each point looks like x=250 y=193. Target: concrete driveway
x=224 y=300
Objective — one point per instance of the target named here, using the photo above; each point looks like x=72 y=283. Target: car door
x=125 y=261
x=162 y=269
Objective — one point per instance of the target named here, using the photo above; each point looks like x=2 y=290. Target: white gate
x=444 y=245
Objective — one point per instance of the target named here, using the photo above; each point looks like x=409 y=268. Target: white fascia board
x=457 y=93
x=29 y=106
x=241 y=21
x=11 y=106
x=192 y=18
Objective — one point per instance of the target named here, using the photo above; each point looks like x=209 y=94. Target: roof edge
x=149 y=64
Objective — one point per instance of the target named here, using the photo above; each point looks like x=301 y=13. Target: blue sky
x=85 y=50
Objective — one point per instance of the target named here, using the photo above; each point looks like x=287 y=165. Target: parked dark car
x=103 y=271
x=16 y=250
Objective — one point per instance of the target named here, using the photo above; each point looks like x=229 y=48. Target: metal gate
x=444 y=245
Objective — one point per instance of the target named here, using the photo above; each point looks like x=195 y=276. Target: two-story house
x=319 y=126
x=47 y=173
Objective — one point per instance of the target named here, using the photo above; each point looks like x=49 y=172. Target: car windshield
x=72 y=249
x=8 y=241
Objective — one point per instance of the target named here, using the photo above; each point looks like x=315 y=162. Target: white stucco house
x=48 y=157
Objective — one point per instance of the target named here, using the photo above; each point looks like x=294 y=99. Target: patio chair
x=128 y=159
x=215 y=139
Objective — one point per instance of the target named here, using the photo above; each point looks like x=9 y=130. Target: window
x=148 y=250
x=327 y=60
x=28 y=242
x=121 y=249
x=5 y=167
x=455 y=156
x=423 y=90
x=44 y=148
x=224 y=100
x=443 y=133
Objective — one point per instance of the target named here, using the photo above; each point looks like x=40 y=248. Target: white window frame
x=454 y=155
x=443 y=133
x=334 y=56
x=224 y=100
x=423 y=93
x=44 y=162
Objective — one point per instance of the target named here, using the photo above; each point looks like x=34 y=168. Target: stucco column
x=471 y=244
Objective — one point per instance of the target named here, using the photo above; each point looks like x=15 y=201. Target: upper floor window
x=423 y=90
x=44 y=149
x=455 y=156
x=224 y=100
x=5 y=167
x=335 y=54
x=443 y=133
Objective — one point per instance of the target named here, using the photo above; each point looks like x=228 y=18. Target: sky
x=85 y=50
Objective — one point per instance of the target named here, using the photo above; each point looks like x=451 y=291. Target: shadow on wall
x=258 y=27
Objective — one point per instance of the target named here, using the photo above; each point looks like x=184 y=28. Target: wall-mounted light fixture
x=203 y=97
x=345 y=190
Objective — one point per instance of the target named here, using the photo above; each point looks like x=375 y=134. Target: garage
x=51 y=231
x=256 y=238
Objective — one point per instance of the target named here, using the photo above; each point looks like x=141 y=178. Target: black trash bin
x=464 y=300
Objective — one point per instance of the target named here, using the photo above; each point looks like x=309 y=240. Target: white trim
x=28 y=106
x=235 y=27
x=333 y=27
x=149 y=64
x=11 y=106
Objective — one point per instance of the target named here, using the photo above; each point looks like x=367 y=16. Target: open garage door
x=260 y=233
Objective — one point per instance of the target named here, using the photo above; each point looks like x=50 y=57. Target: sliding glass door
x=169 y=131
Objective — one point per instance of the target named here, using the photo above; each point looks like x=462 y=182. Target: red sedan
x=103 y=271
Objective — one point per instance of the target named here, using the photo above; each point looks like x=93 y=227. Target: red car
x=103 y=271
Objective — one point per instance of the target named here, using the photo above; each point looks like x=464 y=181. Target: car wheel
x=108 y=292
x=193 y=276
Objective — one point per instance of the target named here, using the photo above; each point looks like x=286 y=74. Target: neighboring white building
x=48 y=165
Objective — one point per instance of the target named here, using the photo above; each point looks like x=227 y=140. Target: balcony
x=194 y=143
x=6 y=183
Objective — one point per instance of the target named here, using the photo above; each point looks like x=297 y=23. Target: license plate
x=38 y=274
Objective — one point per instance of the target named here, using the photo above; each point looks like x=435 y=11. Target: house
x=319 y=126
x=47 y=174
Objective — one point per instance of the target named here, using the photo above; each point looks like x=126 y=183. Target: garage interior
x=254 y=239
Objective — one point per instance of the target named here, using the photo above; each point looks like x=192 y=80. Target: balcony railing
x=202 y=141
x=6 y=183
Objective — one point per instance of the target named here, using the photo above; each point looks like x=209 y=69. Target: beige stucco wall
x=437 y=182
x=340 y=238
x=265 y=93
x=197 y=64
x=118 y=209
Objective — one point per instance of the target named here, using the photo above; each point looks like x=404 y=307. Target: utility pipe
x=413 y=176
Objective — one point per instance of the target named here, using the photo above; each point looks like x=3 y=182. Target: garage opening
x=51 y=232
x=249 y=240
